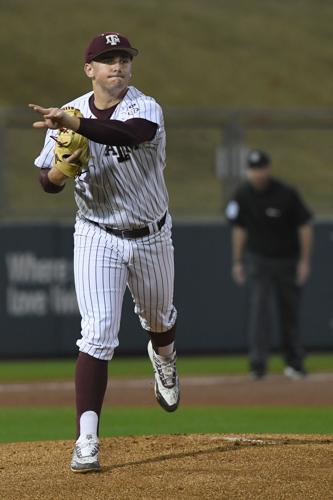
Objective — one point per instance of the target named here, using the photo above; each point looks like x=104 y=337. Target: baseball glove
x=67 y=142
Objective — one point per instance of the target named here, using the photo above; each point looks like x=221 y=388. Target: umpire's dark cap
x=108 y=42
x=258 y=159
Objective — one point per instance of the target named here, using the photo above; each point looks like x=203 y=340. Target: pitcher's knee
x=99 y=350
x=157 y=321
x=99 y=337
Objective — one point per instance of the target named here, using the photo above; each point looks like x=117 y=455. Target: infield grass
x=29 y=371
x=34 y=424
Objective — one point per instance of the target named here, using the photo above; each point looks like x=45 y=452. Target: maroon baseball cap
x=108 y=42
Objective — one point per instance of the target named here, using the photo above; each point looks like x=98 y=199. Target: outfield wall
x=39 y=315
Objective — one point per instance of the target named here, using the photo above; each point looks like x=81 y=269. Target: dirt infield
x=174 y=467
x=213 y=466
x=315 y=390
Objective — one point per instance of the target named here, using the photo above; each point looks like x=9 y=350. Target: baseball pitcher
x=110 y=143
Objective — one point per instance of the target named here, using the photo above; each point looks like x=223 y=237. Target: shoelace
x=166 y=370
x=81 y=447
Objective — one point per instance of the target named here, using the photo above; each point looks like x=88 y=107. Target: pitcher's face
x=110 y=71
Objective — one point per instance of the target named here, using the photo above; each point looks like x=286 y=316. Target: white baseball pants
x=104 y=265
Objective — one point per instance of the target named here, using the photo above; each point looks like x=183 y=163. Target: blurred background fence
x=206 y=151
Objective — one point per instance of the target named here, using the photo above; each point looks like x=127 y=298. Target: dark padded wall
x=39 y=315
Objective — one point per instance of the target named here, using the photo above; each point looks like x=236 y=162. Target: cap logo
x=254 y=156
x=112 y=39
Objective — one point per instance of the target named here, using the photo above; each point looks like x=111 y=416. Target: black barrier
x=39 y=315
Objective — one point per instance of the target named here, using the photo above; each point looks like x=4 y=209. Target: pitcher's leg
x=91 y=377
x=151 y=282
x=163 y=342
x=100 y=274
x=100 y=280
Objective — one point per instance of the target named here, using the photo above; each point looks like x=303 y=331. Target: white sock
x=88 y=423
x=166 y=351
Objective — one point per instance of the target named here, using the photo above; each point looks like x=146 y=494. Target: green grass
x=192 y=53
x=25 y=371
x=32 y=424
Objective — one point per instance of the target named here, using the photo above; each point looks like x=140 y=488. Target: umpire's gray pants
x=273 y=277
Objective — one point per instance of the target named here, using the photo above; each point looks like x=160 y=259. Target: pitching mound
x=212 y=466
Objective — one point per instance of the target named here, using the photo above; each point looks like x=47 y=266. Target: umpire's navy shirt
x=271 y=218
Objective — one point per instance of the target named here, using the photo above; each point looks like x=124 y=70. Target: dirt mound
x=211 y=466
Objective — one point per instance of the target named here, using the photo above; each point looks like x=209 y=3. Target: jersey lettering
x=122 y=153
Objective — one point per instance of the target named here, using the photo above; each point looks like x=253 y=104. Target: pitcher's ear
x=89 y=70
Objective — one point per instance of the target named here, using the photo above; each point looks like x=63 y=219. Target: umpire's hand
x=238 y=273
x=303 y=272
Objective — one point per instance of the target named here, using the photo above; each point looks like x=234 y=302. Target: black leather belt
x=132 y=234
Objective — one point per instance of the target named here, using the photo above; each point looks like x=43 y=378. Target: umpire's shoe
x=85 y=454
x=167 y=390
x=295 y=373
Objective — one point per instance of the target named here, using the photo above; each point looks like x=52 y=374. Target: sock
x=88 y=423
x=91 y=379
x=163 y=342
x=166 y=351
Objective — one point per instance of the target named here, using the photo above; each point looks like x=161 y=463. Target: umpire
x=270 y=220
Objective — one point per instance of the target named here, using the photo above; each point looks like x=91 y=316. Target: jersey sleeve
x=300 y=213
x=46 y=156
x=234 y=211
x=117 y=133
x=147 y=109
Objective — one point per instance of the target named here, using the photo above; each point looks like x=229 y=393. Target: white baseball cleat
x=85 y=454
x=167 y=390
